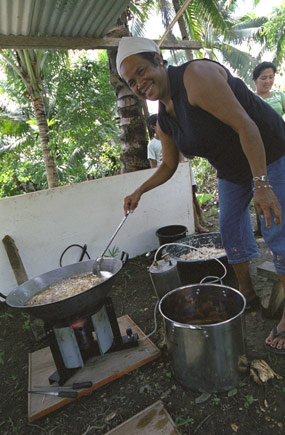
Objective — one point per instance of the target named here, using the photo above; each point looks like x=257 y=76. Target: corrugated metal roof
x=59 y=18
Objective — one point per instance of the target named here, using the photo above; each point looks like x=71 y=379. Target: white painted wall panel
x=44 y=223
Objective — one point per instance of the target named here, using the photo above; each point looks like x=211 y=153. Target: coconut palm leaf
x=10 y=143
x=241 y=62
x=140 y=11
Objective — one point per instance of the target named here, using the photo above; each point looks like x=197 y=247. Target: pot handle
x=124 y=258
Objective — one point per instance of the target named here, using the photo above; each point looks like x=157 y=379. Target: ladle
x=98 y=261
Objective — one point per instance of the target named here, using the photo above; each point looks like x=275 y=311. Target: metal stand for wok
x=72 y=341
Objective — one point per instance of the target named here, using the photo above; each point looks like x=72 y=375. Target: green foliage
x=84 y=132
x=205 y=176
x=20 y=161
x=248 y=401
x=273 y=31
x=6 y=316
x=113 y=252
x=81 y=114
x=27 y=321
x=180 y=421
x=216 y=400
x=204 y=197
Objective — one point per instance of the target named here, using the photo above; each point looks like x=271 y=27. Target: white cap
x=130 y=45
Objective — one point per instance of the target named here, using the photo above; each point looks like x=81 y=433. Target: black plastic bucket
x=193 y=271
x=171 y=233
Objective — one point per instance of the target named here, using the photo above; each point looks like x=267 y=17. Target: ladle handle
x=114 y=235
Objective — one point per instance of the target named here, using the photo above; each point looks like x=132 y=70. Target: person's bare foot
x=209 y=224
x=276 y=338
x=201 y=229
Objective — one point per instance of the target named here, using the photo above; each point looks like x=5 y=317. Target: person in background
x=263 y=76
x=154 y=154
x=154 y=149
x=196 y=206
x=205 y=111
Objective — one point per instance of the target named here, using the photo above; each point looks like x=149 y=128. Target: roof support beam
x=74 y=43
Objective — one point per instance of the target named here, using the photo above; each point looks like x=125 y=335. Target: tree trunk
x=183 y=29
x=132 y=120
x=52 y=177
x=27 y=60
x=133 y=132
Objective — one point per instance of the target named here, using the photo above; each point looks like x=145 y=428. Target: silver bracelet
x=261 y=178
x=262 y=187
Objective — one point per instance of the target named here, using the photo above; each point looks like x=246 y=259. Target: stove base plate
x=99 y=370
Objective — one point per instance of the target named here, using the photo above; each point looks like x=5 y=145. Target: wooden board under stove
x=99 y=370
x=153 y=420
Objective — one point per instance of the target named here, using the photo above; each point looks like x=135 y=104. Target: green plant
x=181 y=421
x=27 y=321
x=113 y=252
x=248 y=401
x=216 y=400
x=204 y=197
x=6 y=316
x=127 y=275
x=205 y=175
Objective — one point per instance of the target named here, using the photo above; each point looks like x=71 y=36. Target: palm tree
x=29 y=66
x=272 y=37
x=131 y=111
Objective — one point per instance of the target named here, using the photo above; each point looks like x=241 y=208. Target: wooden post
x=272 y=304
x=15 y=260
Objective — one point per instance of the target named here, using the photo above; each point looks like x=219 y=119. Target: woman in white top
x=154 y=148
x=263 y=76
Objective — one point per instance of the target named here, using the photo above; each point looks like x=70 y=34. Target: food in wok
x=66 y=288
x=204 y=253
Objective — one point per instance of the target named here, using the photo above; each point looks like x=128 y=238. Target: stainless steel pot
x=82 y=303
x=205 y=336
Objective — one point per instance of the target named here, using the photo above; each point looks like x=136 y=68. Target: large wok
x=76 y=305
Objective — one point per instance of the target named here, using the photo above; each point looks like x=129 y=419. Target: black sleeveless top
x=198 y=133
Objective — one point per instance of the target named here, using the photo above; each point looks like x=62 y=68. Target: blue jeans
x=234 y=219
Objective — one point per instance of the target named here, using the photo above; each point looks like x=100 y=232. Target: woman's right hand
x=131 y=201
x=163 y=173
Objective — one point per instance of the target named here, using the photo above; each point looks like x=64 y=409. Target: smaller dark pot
x=193 y=271
x=171 y=233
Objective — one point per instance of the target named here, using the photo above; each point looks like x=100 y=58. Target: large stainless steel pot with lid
x=76 y=305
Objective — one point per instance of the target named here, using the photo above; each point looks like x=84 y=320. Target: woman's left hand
x=266 y=203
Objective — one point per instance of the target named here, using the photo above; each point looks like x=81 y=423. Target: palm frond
x=140 y=11
x=241 y=62
x=8 y=143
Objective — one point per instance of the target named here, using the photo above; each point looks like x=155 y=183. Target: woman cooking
x=209 y=113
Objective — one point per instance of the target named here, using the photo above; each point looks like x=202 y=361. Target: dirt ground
x=249 y=409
